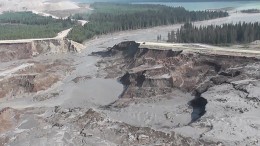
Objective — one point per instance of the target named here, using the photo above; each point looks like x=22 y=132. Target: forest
x=112 y=17
x=25 y=25
x=216 y=34
x=251 y=11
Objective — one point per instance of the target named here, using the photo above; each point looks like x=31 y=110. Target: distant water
x=195 y=6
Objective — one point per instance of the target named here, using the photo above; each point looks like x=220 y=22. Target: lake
x=195 y=6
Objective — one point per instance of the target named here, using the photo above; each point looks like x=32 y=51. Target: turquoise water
x=238 y=5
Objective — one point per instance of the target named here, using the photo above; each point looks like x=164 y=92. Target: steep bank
x=224 y=88
x=33 y=65
x=71 y=114
x=16 y=50
x=189 y=72
x=28 y=79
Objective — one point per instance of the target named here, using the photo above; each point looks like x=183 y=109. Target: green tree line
x=25 y=25
x=216 y=34
x=112 y=17
x=13 y=32
x=30 y=18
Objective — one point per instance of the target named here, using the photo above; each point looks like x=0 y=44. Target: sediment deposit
x=130 y=94
x=224 y=89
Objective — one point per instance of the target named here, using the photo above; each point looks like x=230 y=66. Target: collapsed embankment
x=153 y=108
x=152 y=72
x=189 y=72
x=30 y=75
x=16 y=50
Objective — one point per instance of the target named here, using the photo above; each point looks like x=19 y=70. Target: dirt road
x=195 y=47
x=60 y=35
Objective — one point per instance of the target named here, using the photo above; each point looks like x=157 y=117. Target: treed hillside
x=112 y=17
x=223 y=34
x=24 y=25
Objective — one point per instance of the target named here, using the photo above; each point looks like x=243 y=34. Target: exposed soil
x=154 y=73
x=25 y=49
x=171 y=96
x=189 y=72
x=40 y=5
x=81 y=78
x=38 y=77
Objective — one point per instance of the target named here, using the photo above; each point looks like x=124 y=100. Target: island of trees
x=25 y=25
x=216 y=34
x=112 y=17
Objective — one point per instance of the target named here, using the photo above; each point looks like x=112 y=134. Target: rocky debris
x=81 y=126
x=249 y=87
x=170 y=98
x=136 y=84
x=56 y=46
x=95 y=124
x=81 y=78
x=15 y=51
x=39 y=77
x=188 y=72
x=226 y=84
x=125 y=134
x=16 y=85
x=230 y=114
x=119 y=48
x=218 y=80
x=9 y=118
x=43 y=97
x=91 y=116
x=75 y=47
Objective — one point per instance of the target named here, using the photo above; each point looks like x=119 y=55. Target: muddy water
x=93 y=92
x=89 y=93
x=199 y=108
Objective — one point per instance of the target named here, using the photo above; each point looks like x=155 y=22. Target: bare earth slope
x=168 y=94
x=157 y=83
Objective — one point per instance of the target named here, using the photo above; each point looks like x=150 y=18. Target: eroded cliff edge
x=34 y=65
x=25 y=49
x=224 y=89
x=171 y=97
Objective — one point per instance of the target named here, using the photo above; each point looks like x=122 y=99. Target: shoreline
x=193 y=6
